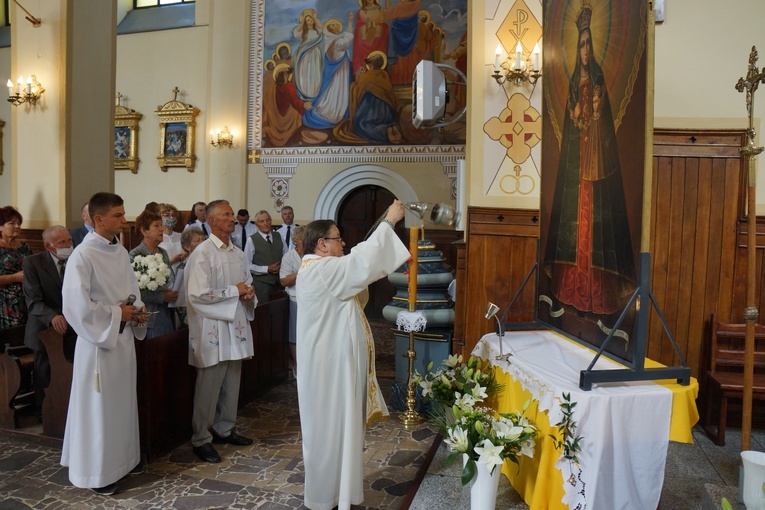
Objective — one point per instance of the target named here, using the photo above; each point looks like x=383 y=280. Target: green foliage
x=569 y=441
x=725 y=504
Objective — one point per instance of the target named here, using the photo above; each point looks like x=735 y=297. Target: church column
x=227 y=101
x=62 y=148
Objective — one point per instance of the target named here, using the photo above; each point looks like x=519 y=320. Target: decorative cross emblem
x=518 y=128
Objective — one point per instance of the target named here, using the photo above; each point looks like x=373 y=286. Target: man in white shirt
x=199 y=219
x=244 y=229
x=220 y=304
x=288 y=217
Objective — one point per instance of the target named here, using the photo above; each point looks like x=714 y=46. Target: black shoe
x=107 y=490
x=140 y=468
x=207 y=453
x=233 y=438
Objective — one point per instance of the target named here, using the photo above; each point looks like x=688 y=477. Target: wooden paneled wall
x=698 y=233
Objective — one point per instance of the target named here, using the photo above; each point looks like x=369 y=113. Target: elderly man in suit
x=263 y=252
x=43 y=277
x=79 y=234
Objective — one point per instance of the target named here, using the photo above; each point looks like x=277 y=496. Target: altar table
x=626 y=427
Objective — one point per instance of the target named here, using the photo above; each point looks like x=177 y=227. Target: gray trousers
x=216 y=397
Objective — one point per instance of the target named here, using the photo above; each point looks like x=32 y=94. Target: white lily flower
x=489 y=455
x=457 y=440
x=527 y=448
x=427 y=388
x=479 y=393
x=463 y=401
x=451 y=361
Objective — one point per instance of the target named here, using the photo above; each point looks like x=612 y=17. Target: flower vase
x=483 y=487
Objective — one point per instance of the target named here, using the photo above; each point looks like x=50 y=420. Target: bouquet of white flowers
x=476 y=431
x=458 y=379
x=487 y=438
x=151 y=271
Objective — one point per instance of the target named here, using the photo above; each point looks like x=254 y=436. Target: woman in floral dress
x=13 y=309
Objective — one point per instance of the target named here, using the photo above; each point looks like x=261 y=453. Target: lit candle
x=10 y=88
x=414 y=236
x=29 y=85
x=536 y=57
x=518 y=53
x=19 y=84
x=496 y=57
x=211 y=136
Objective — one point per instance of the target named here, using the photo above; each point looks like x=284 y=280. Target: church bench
x=16 y=363
x=725 y=377
x=60 y=349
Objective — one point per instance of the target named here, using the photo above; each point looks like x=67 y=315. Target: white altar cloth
x=625 y=426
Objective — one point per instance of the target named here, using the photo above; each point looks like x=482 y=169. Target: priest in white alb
x=220 y=303
x=101 y=437
x=337 y=388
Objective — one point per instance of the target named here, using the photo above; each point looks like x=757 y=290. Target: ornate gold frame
x=172 y=114
x=126 y=118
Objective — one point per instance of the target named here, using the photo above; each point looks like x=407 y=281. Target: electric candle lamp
x=496 y=57
x=10 y=88
x=518 y=54
x=536 y=57
x=29 y=85
x=19 y=84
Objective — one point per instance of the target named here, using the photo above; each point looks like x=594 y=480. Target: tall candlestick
x=414 y=236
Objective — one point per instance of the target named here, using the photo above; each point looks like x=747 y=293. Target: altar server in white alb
x=221 y=303
x=101 y=438
x=337 y=388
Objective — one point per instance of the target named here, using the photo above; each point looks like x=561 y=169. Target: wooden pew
x=60 y=349
x=16 y=362
x=725 y=377
x=165 y=384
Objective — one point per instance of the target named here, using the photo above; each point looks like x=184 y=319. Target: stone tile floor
x=688 y=468
x=267 y=475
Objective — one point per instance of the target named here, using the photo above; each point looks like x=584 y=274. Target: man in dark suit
x=79 y=234
x=43 y=278
x=263 y=252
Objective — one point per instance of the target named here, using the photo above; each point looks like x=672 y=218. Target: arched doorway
x=357 y=213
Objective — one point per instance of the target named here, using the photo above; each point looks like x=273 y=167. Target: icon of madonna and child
x=593 y=167
x=344 y=75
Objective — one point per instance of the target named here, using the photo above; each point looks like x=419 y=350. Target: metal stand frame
x=638 y=371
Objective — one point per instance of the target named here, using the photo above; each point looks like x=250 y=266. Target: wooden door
x=358 y=211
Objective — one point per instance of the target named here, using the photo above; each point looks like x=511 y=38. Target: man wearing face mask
x=43 y=277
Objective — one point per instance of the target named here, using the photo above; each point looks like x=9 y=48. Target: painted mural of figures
x=459 y=55
x=308 y=57
x=373 y=106
x=404 y=34
x=589 y=256
x=332 y=101
x=268 y=74
x=283 y=53
x=370 y=33
x=283 y=110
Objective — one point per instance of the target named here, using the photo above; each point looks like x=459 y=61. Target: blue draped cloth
x=313 y=119
x=403 y=35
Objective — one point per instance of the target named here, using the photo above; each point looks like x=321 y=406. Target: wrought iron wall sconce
x=517 y=69
x=221 y=138
x=24 y=93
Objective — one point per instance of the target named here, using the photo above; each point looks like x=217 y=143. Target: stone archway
x=331 y=196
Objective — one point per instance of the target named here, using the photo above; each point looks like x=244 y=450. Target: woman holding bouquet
x=154 y=275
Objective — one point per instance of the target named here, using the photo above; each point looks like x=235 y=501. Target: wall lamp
x=221 y=138
x=517 y=69
x=24 y=93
